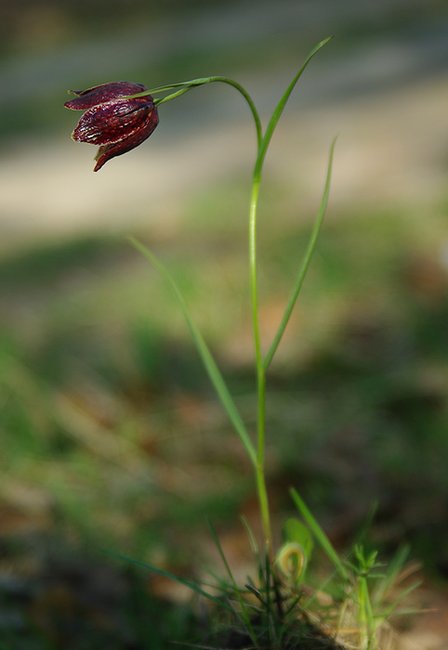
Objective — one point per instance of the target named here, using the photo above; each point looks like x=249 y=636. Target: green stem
x=263 y=145
x=261 y=379
x=261 y=375
x=202 y=81
x=263 y=141
x=248 y=99
x=253 y=264
x=256 y=178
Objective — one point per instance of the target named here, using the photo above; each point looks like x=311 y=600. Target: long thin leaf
x=191 y=584
x=282 y=103
x=245 y=615
x=222 y=555
x=210 y=365
x=401 y=596
x=393 y=570
x=252 y=539
x=319 y=533
x=305 y=262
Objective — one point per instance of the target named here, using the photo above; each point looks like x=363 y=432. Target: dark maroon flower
x=110 y=120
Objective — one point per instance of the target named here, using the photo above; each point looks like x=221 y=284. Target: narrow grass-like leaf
x=305 y=262
x=393 y=570
x=191 y=584
x=319 y=534
x=252 y=540
x=401 y=596
x=210 y=365
x=244 y=615
x=282 y=103
x=222 y=555
x=256 y=592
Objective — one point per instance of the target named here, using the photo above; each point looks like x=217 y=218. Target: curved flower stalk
x=121 y=115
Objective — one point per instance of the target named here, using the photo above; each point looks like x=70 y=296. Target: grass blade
x=210 y=365
x=401 y=596
x=252 y=540
x=244 y=612
x=305 y=262
x=191 y=584
x=319 y=534
x=282 y=103
x=222 y=555
x=393 y=570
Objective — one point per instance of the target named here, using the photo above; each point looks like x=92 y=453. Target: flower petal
x=113 y=121
x=108 y=151
x=103 y=93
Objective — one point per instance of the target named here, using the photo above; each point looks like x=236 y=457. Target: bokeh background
x=111 y=437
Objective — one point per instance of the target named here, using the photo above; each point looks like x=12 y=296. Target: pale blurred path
x=393 y=57
x=387 y=98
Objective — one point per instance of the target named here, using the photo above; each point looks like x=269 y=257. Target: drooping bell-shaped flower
x=111 y=121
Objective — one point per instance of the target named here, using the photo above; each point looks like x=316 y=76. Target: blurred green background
x=111 y=436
